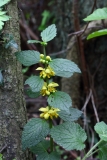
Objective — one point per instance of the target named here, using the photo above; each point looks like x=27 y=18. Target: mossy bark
x=12 y=103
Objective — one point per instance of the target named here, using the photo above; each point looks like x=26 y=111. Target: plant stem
x=44 y=51
x=90 y=151
x=51 y=139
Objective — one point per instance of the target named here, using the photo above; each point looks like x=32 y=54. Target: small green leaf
x=35 y=83
x=1 y=156
x=101 y=129
x=102 y=152
x=60 y=100
x=41 y=151
x=98 y=14
x=28 y=58
x=49 y=33
x=34 y=132
x=2 y=12
x=33 y=41
x=3 y=2
x=97 y=34
x=64 y=67
x=32 y=94
x=71 y=114
x=1 y=24
x=54 y=156
x=69 y=135
x=40 y=147
x=4 y=18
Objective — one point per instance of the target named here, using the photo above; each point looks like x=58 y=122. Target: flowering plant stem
x=50 y=121
x=90 y=151
x=51 y=139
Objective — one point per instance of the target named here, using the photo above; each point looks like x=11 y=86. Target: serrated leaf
x=49 y=33
x=97 y=34
x=69 y=135
x=2 y=12
x=3 y=2
x=54 y=156
x=4 y=18
x=98 y=14
x=64 y=67
x=60 y=100
x=102 y=152
x=32 y=94
x=101 y=129
x=34 y=132
x=35 y=83
x=33 y=41
x=28 y=58
x=71 y=114
x=41 y=151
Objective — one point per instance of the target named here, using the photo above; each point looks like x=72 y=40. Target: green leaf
x=32 y=94
x=97 y=34
x=102 y=152
x=98 y=14
x=4 y=18
x=2 y=12
x=101 y=129
x=71 y=114
x=33 y=41
x=54 y=156
x=60 y=100
x=40 y=147
x=64 y=67
x=1 y=156
x=34 y=132
x=49 y=33
x=3 y=2
x=35 y=83
x=41 y=151
x=28 y=58
x=69 y=135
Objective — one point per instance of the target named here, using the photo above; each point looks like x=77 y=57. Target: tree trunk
x=12 y=103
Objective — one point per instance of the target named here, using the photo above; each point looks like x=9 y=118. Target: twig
x=94 y=107
x=4 y=147
x=80 y=46
x=92 y=136
x=61 y=52
x=95 y=1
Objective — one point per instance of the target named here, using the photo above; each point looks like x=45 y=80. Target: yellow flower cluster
x=45 y=59
x=48 y=72
x=48 y=88
x=49 y=112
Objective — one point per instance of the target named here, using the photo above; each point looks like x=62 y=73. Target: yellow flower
x=49 y=112
x=48 y=88
x=48 y=72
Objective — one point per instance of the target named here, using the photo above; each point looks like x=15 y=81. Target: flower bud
x=43 y=61
x=48 y=58
x=41 y=55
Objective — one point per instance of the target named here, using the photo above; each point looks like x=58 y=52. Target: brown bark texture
x=12 y=103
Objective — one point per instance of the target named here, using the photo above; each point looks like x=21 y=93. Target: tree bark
x=12 y=103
